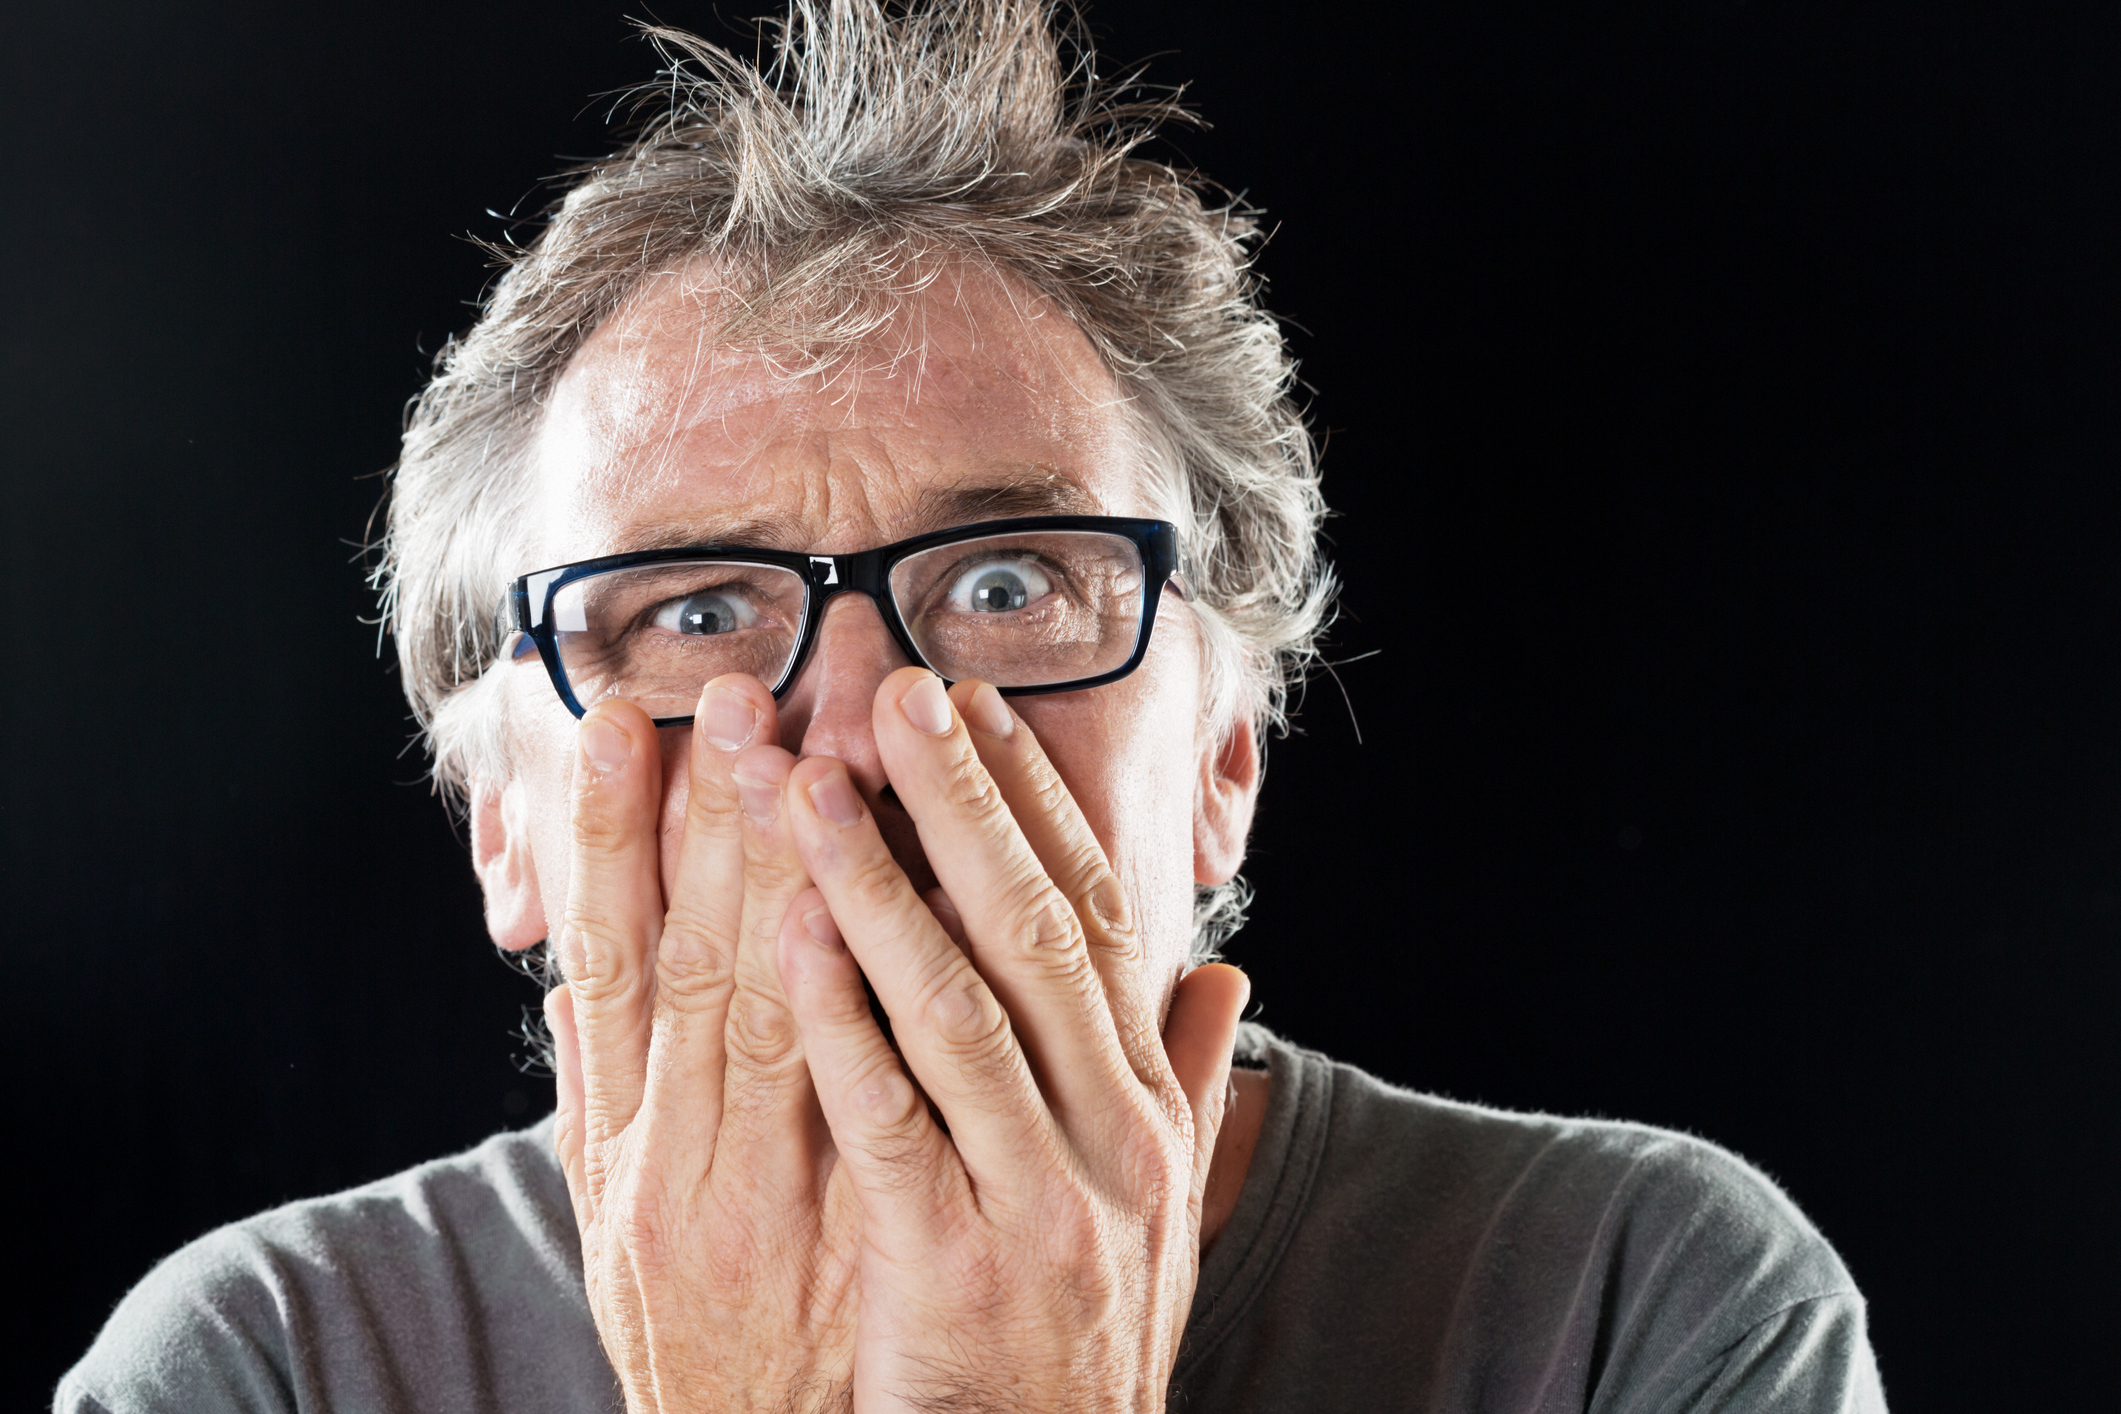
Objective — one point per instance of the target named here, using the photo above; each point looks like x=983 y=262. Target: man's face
x=997 y=406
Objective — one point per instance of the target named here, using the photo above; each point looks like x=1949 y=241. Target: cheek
x=544 y=761
x=1128 y=753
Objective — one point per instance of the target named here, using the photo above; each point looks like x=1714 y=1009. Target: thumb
x=1205 y=1009
x=567 y=1073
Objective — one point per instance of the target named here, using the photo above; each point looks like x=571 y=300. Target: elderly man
x=901 y=532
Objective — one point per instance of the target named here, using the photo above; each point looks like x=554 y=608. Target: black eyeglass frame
x=529 y=602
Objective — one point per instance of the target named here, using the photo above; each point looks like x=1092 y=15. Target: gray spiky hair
x=877 y=145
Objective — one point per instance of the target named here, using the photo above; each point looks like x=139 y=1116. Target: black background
x=1721 y=415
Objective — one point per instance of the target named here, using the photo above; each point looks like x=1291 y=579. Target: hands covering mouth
x=770 y=1214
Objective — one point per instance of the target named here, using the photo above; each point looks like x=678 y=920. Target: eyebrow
x=1043 y=493
x=756 y=532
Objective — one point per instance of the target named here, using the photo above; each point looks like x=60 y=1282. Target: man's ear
x=500 y=855
x=1222 y=804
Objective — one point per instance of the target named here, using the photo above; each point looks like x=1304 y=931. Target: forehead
x=976 y=398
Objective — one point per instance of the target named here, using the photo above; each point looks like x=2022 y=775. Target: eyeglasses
x=1037 y=604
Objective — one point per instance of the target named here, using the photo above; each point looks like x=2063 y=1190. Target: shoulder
x=1464 y=1256
x=1674 y=1213
x=364 y=1298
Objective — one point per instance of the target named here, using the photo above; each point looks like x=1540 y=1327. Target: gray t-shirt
x=1389 y=1251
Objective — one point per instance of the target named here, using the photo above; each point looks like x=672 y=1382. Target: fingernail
x=835 y=799
x=988 y=713
x=761 y=800
x=822 y=930
x=927 y=706
x=728 y=720
x=605 y=745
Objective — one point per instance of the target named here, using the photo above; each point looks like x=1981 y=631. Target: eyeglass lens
x=1031 y=609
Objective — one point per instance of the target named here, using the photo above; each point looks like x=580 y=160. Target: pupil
x=998 y=592
x=706 y=616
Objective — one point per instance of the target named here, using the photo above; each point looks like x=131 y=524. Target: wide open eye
x=999 y=587
x=707 y=612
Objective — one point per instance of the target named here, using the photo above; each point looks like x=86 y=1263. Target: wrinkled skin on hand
x=719 y=1234
x=780 y=1208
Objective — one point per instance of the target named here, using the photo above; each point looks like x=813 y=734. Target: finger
x=901 y=1163
x=696 y=958
x=770 y=1106
x=567 y=1116
x=1026 y=939
x=614 y=913
x=946 y=914
x=705 y=913
x=1205 y=1008
x=1069 y=851
x=956 y=1038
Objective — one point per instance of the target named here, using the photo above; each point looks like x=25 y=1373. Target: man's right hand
x=719 y=1238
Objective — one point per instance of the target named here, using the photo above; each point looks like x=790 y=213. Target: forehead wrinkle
x=1044 y=491
x=859 y=522
x=664 y=403
x=720 y=380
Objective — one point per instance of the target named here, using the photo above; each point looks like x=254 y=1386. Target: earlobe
x=1222 y=804
x=500 y=855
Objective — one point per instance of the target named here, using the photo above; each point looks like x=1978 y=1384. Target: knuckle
x=696 y=917
x=603 y=964
x=1119 y=949
x=758 y=986
x=1051 y=928
x=874 y=876
x=1102 y=904
x=760 y=1032
x=773 y=875
x=757 y=953
x=603 y=826
x=966 y=1017
x=711 y=807
x=894 y=1120
x=1048 y=934
x=1048 y=793
x=1152 y=1167
x=688 y=963
x=966 y=786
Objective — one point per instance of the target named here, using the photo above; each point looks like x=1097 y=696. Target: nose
x=827 y=711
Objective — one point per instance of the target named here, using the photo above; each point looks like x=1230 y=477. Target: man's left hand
x=1031 y=1207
